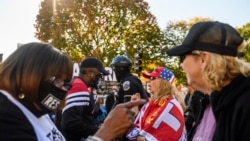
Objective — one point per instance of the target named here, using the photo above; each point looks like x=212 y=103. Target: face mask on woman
x=50 y=97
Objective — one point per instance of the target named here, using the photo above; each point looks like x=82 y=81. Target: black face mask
x=96 y=82
x=118 y=75
x=120 y=72
x=50 y=97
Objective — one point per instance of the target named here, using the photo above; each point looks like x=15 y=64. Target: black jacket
x=130 y=85
x=13 y=123
x=110 y=100
x=78 y=119
x=231 y=107
x=196 y=104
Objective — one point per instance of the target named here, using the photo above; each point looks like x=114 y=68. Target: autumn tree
x=245 y=33
x=100 y=28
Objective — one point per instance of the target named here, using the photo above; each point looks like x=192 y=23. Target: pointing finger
x=133 y=103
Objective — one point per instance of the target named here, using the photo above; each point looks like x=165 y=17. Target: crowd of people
x=36 y=80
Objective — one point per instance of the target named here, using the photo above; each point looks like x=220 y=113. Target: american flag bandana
x=161 y=72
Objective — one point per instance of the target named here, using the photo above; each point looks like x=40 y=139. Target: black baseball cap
x=211 y=36
x=92 y=62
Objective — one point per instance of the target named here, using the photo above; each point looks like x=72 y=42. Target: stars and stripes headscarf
x=161 y=72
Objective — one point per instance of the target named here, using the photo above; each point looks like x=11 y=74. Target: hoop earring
x=21 y=95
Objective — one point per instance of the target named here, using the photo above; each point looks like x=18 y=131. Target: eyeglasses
x=59 y=83
x=183 y=57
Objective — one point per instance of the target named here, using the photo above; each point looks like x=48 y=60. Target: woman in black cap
x=209 y=57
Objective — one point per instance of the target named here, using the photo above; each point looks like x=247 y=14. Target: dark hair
x=30 y=65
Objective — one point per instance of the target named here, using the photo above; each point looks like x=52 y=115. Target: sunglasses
x=99 y=75
x=183 y=57
x=153 y=78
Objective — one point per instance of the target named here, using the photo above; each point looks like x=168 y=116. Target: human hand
x=118 y=121
x=140 y=138
x=135 y=97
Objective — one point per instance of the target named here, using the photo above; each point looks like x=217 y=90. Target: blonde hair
x=222 y=68
x=166 y=90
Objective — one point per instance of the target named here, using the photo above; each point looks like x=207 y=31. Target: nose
x=181 y=65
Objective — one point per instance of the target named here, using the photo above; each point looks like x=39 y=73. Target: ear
x=89 y=73
x=205 y=57
x=92 y=74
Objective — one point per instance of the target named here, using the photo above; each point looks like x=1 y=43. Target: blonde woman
x=209 y=57
x=161 y=119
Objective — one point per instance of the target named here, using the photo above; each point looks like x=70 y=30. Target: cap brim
x=147 y=75
x=104 y=72
x=178 y=50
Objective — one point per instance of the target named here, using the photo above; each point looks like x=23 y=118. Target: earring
x=21 y=95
